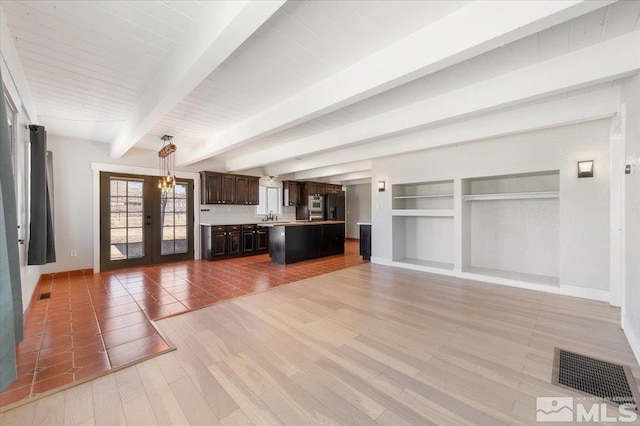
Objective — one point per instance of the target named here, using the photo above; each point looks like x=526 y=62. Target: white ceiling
x=309 y=88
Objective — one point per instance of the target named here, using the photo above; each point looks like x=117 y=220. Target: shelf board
x=512 y=196
x=423 y=212
x=516 y=276
x=413 y=197
x=426 y=263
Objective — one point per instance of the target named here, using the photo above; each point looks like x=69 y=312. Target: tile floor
x=94 y=323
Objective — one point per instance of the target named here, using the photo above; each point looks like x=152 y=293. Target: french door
x=140 y=225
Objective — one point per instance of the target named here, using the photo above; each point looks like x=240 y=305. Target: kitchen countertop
x=364 y=223
x=302 y=223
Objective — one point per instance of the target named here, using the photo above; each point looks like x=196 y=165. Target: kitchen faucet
x=270 y=216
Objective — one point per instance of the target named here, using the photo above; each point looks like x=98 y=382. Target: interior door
x=141 y=226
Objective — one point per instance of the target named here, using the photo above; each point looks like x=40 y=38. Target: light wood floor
x=365 y=345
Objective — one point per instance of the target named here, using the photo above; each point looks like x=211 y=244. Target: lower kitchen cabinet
x=248 y=239
x=233 y=239
x=218 y=241
x=226 y=241
x=290 y=244
x=365 y=241
x=262 y=240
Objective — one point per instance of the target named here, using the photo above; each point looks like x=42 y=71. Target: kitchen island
x=297 y=241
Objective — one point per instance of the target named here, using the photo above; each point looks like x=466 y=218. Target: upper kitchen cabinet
x=296 y=193
x=315 y=188
x=219 y=188
x=228 y=189
x=211 y=184
x=253 y=197
x=247 y=189
x=292 y=195
x=333 y=189
x=312 y=188
x=242 y=190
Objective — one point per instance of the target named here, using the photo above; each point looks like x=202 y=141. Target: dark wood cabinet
x=333 y=189
x=295 y=196
x=218 y=241
x=262 y=240
x=233 y=240
x=225 y=241
x=332 y=239
x=219 y=188
x=365 y=242
x=296 y=193
x=253 y=191
x=242 y=190
x=312 y=188
x=211 y=184
x=289 y=244
x=291 y=193
x=228 y=189
x=248 y=238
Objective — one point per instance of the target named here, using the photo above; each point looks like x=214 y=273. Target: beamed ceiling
x=317 y=89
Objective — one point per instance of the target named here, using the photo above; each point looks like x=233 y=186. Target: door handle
x=148 y=220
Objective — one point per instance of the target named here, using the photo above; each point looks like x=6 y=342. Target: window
x=269 y=200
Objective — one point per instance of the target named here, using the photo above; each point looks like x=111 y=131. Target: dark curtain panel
x=41 y=232
x=10 y=287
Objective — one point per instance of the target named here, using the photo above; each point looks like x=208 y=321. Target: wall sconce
x=381 y=186
x=585 y=169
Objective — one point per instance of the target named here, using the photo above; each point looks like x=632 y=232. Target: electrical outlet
x=74 y=253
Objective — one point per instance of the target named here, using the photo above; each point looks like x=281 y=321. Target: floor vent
x=611 y=382
x=46 y=295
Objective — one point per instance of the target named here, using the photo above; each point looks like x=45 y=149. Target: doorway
x=140 y=225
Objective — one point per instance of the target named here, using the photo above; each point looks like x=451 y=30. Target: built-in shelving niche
x=425 y=198
x=423 y=224
x=510 y=226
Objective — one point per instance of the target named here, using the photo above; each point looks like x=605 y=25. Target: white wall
x=584 y=203
x=73 y=196
x=516 y=235
x=631 y=97
x=358 y=207
x=420 y=233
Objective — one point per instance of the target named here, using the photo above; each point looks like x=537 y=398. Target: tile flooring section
x=94 y=323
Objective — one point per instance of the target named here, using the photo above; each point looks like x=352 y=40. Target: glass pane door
x=173 y=219
x=126 y=227
x=139 y=225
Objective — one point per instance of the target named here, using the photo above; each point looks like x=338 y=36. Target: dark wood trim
x=151 y=220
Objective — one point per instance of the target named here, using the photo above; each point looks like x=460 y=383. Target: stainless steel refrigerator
x=334 y=207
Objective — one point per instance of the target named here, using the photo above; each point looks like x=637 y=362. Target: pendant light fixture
x=167 y=165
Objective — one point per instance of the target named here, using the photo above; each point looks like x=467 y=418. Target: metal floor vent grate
x=611 y=382
x=46 y=295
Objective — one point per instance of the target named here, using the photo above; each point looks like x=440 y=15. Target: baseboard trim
x=634 y=342
x=564 y=290
x=586 y=293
